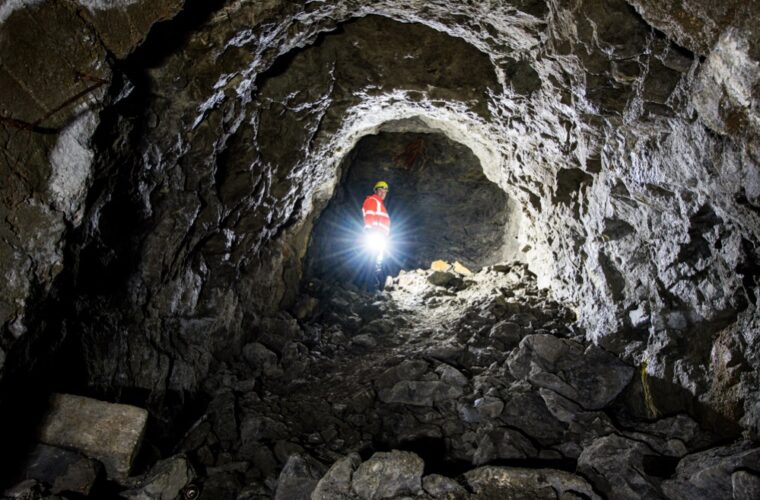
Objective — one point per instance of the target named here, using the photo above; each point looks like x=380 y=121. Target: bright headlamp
x=375 y=241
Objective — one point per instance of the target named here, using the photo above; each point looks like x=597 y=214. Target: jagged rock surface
x=574 y=108
x=436 y=381
x=156 y=226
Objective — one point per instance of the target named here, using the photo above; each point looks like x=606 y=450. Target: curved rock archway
x=442 y=207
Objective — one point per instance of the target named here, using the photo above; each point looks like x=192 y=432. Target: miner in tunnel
x=377 y=230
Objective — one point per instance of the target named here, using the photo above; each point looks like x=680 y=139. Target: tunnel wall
x=631 y=150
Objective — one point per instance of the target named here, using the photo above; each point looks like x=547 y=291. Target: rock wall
x=178 y=217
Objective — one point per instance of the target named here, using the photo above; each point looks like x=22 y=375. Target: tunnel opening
x=441 y=205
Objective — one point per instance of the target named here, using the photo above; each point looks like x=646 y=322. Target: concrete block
x=109 y=432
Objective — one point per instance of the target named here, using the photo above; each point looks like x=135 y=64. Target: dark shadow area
x=170 y=36
x=441 y=207
x=659 y=466
x=437 y=460
x=633 y=409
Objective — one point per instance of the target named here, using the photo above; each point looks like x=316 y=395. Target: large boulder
x=616 y=466
x=716 y=472
x=111 y=433
x=589 y=376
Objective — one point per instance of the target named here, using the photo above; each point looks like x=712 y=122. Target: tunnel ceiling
x=170 y=203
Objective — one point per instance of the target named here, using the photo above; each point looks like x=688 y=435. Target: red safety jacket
x=375 y=214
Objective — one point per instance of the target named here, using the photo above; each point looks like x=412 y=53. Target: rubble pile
x=445 y=385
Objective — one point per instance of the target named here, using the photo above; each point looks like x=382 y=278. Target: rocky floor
x=445 y=385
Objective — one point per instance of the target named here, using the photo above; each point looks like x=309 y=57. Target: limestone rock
x=616 y=467
x=745 y=485
x=461 y=269
x=299 y=477
x=715 y=472
x=509 y=482
x=451 y=376
x=591 y=377
x=440 y=265
x=442 y=487
x=443 y=278
x=419 y=393
x=386 y=475
x=364 y=341
x=173 y=212
x=164 y=481
x=62 y=470
x=503 y=444
x=109 y=432
x=28 y=489
x=336 y=483
x=261 y=359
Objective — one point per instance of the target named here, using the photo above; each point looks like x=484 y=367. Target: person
x=377 y=226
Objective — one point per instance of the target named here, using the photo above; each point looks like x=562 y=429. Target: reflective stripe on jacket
x=375 y=214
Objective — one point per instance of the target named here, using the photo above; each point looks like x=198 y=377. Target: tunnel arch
x=582 y=127
x=429 y=206
x=626 y=134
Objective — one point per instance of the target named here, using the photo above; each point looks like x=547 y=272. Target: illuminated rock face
x=163 y=219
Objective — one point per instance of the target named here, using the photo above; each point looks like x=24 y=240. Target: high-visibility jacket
x=375 y=214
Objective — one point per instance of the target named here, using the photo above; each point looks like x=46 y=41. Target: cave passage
x=182 y=184
x=441 y=206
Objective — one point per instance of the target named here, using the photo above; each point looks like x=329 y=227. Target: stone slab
x=109 y=432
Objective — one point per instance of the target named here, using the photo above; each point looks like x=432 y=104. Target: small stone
x=438 y=486
x=164 y=481
x=452 y=376
x=442 y=278
x=489 y=407
x=409 y=369
x=460 y=269
x=440 y=265
x=364 y=340
x=468 y=414
x=261 y=360
x=298 y=478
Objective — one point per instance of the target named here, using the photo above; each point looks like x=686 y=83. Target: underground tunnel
x=571 y=312
x=442 y=207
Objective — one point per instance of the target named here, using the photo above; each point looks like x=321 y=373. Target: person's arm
x=367 y=210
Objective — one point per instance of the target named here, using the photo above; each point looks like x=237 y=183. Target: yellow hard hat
x=381 y=184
